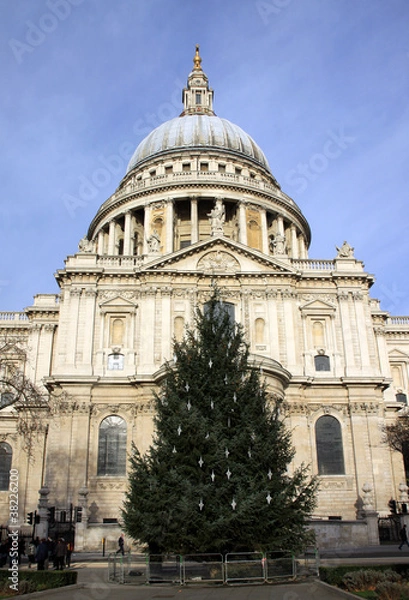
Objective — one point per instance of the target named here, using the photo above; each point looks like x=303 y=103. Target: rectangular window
x=186 y=167
x=185 y=243
x=204 y=166
x=152 y=173
x=109 y=520
x=168 y=170
x=237 y=171
x=198 y=98
x=116 y=362
x=222 y=168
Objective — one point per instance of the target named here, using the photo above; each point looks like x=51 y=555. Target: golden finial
x=197 y=60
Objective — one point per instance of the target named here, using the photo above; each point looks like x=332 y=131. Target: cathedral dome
x=198 y=131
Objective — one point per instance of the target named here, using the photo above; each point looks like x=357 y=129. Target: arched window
x=112 y=446
x=6 y=455
x=117 y=332
x=322 y=363
x=254 y=235
x=259 y=330
x=179 y=328
x=397 y=376
x=318 y=334
x=330 y=452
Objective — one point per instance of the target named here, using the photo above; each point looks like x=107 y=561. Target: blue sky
x=321 y=85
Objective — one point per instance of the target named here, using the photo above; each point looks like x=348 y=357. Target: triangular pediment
x=117 y=302
x=396 y=354
x=219 y=255
x=317 y=306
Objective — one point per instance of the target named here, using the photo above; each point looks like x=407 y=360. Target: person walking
x=60 y=554
x=403 y=534
x=41 y=554
x=70 y=549
x=31 y=554
x=121 y=545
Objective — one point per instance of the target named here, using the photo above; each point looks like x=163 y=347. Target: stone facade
x=199 y=204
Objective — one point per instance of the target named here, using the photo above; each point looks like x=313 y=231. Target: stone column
x=280 y=225
x=127 y=233
x=347 y=341
x=74 y=309
x=370 y=515
x=146 y=228
x=111 y=238
x=89 y=324
x=81 y=524
x=294 y=242
x=264 y=234
x=41 y=528
x=194 y=220
x=169 y=226
x=302 y=248
x=100 y=245
x=242 y=224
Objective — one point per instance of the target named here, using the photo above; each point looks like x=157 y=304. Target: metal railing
x=127 y=568
x=236 y=568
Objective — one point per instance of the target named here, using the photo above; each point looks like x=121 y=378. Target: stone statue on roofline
x=346 y=251
x=86 y=245
x=154 y=242
x=217 y=217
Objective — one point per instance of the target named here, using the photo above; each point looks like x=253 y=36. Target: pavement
x=93 y=582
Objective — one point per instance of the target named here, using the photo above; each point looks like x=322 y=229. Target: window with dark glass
x=330 y=452
x=112 y=446
x=322 y=362
x=198 y=98
x=400 y=397
x=6 y=455
x=6 y=398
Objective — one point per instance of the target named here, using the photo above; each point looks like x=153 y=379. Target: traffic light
x=51 y=514
x=78 y=514
x=30 y=516
x=392 y=506
x=36 y=518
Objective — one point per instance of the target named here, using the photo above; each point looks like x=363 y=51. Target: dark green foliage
x=335 y=575
x=368 y=579
x=220 y=450
x=32 y=580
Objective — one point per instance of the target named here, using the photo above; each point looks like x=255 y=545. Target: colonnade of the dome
x=167 y=225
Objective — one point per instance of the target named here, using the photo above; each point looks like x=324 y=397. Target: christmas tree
x=216 y=476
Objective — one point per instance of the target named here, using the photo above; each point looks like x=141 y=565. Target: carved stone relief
x=218 y=261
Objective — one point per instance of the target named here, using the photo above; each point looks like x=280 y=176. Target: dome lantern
x=197 y=97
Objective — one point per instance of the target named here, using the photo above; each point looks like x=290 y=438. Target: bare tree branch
x=28 y=402
x=397 y=434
